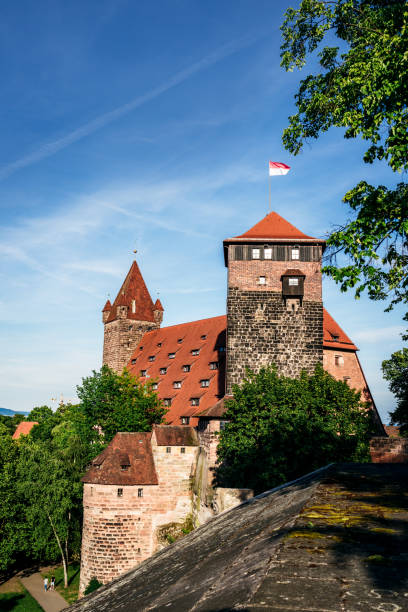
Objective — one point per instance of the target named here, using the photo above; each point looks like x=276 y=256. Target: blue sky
x=149 y=125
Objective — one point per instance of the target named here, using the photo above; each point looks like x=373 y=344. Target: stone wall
x=121 y=531
x=121 y=337
x=389 y=450
x=264 y=330
x=346 y=368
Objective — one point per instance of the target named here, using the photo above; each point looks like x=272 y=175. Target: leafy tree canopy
x=395 y=370
x=362 y=87
x=119 y=402
x=280 y=428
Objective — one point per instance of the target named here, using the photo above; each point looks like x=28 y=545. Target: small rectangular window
x=167 y=401
x=155 y=386
x=133 y=361
x=124 y=467
x=168 y=449
x=120 y=492
x=195 y=401
x=338 y=360
x=182 y=450
x=152 y=357
x=255 y=253
x=293 y=281
x=143 y=372
x=172 y=355
x=140 y=492
x=205 y=382
x=185 y=420
x=295 y=253
x=268 y=253
x=180 y=340
x=133 y=306
x=177 y=384
x=186 y=367
x=214 y=365
x=163 y=370
x=262 y=280
x=195 y=351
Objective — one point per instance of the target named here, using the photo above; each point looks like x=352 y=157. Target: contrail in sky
x=50 y=148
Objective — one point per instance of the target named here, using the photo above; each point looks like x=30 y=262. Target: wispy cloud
x=50 y=148
x=378 y=335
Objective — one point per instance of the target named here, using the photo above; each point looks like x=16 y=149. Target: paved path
x=50 y=601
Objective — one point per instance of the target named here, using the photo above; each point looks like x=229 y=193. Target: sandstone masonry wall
x=389 y=450
x=346 y=368
x=262 y=330
x=121 y=337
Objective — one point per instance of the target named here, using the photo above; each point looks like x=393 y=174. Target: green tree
x=10 y=507
x=280 y=428
x=119 y=402
x=362 y=87
x=395 y=370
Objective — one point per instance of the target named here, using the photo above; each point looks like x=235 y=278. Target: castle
x=275 y=314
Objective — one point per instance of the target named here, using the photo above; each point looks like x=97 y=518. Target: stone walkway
x=50 y=601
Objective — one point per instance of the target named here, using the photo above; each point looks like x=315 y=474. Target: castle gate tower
x=274 y=303
x=131 y=315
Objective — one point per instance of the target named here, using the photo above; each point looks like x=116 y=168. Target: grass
x=70 y=594
x=19 y=602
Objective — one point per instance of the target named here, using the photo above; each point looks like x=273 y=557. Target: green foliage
x=10 y=507
x=281 y=428
x=362 y=87
x=119 y=402
x=395 y=370
x=93 y=585
x=19 y=602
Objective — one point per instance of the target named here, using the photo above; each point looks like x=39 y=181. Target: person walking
x=52 y=583
x=45 y=584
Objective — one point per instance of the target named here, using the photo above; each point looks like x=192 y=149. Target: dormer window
x=177 y=384
x=163 y=370
x=155 y=386
x=203 y=337
x=133 y=306
x=335 y=337
x=195 y=352
x=180 y=340
x=186 y=367
x=133 y=361
x=205 y=382
x=152 y=357
x=167 y=401
x=185 y=420
x=256 y=253
x=159 y=344
x=143 y=372
x=172 y=355
x=195 y=401
x=295 y=252
x=267 y=253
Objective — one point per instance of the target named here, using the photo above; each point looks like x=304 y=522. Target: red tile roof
x=107 y=306
x=333 y=336
x=158 y=305
x=133 y=288
x=126 y=449
x=175 y=435
x=272 y=227
x=209 y=336
x=293 y=272
x=23 y=429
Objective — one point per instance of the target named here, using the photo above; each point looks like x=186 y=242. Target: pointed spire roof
x=134 y=288
x=107 y=306
x=158 y=305
x=274 y=227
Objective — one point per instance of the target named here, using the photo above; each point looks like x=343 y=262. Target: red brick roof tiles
x=273 y=226
x=107 y=306
x=23 y=429
x=293 y=272
x=333 y=335
x=175 y=435
x=133 y=451
x=133 y=288
x=158 y=305
x=209 y=336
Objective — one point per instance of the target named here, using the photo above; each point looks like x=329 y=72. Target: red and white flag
x=277 y=168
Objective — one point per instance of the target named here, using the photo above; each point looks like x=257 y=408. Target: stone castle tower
x=274 y=303
x=125 y=322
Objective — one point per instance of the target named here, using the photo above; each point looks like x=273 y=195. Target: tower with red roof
x=274 y=303
x=131 y=315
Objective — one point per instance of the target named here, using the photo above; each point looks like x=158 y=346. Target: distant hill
x=7 y=412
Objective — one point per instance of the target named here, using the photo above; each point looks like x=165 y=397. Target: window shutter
x=280 y=254
x=305 y=253
x=239 y=253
